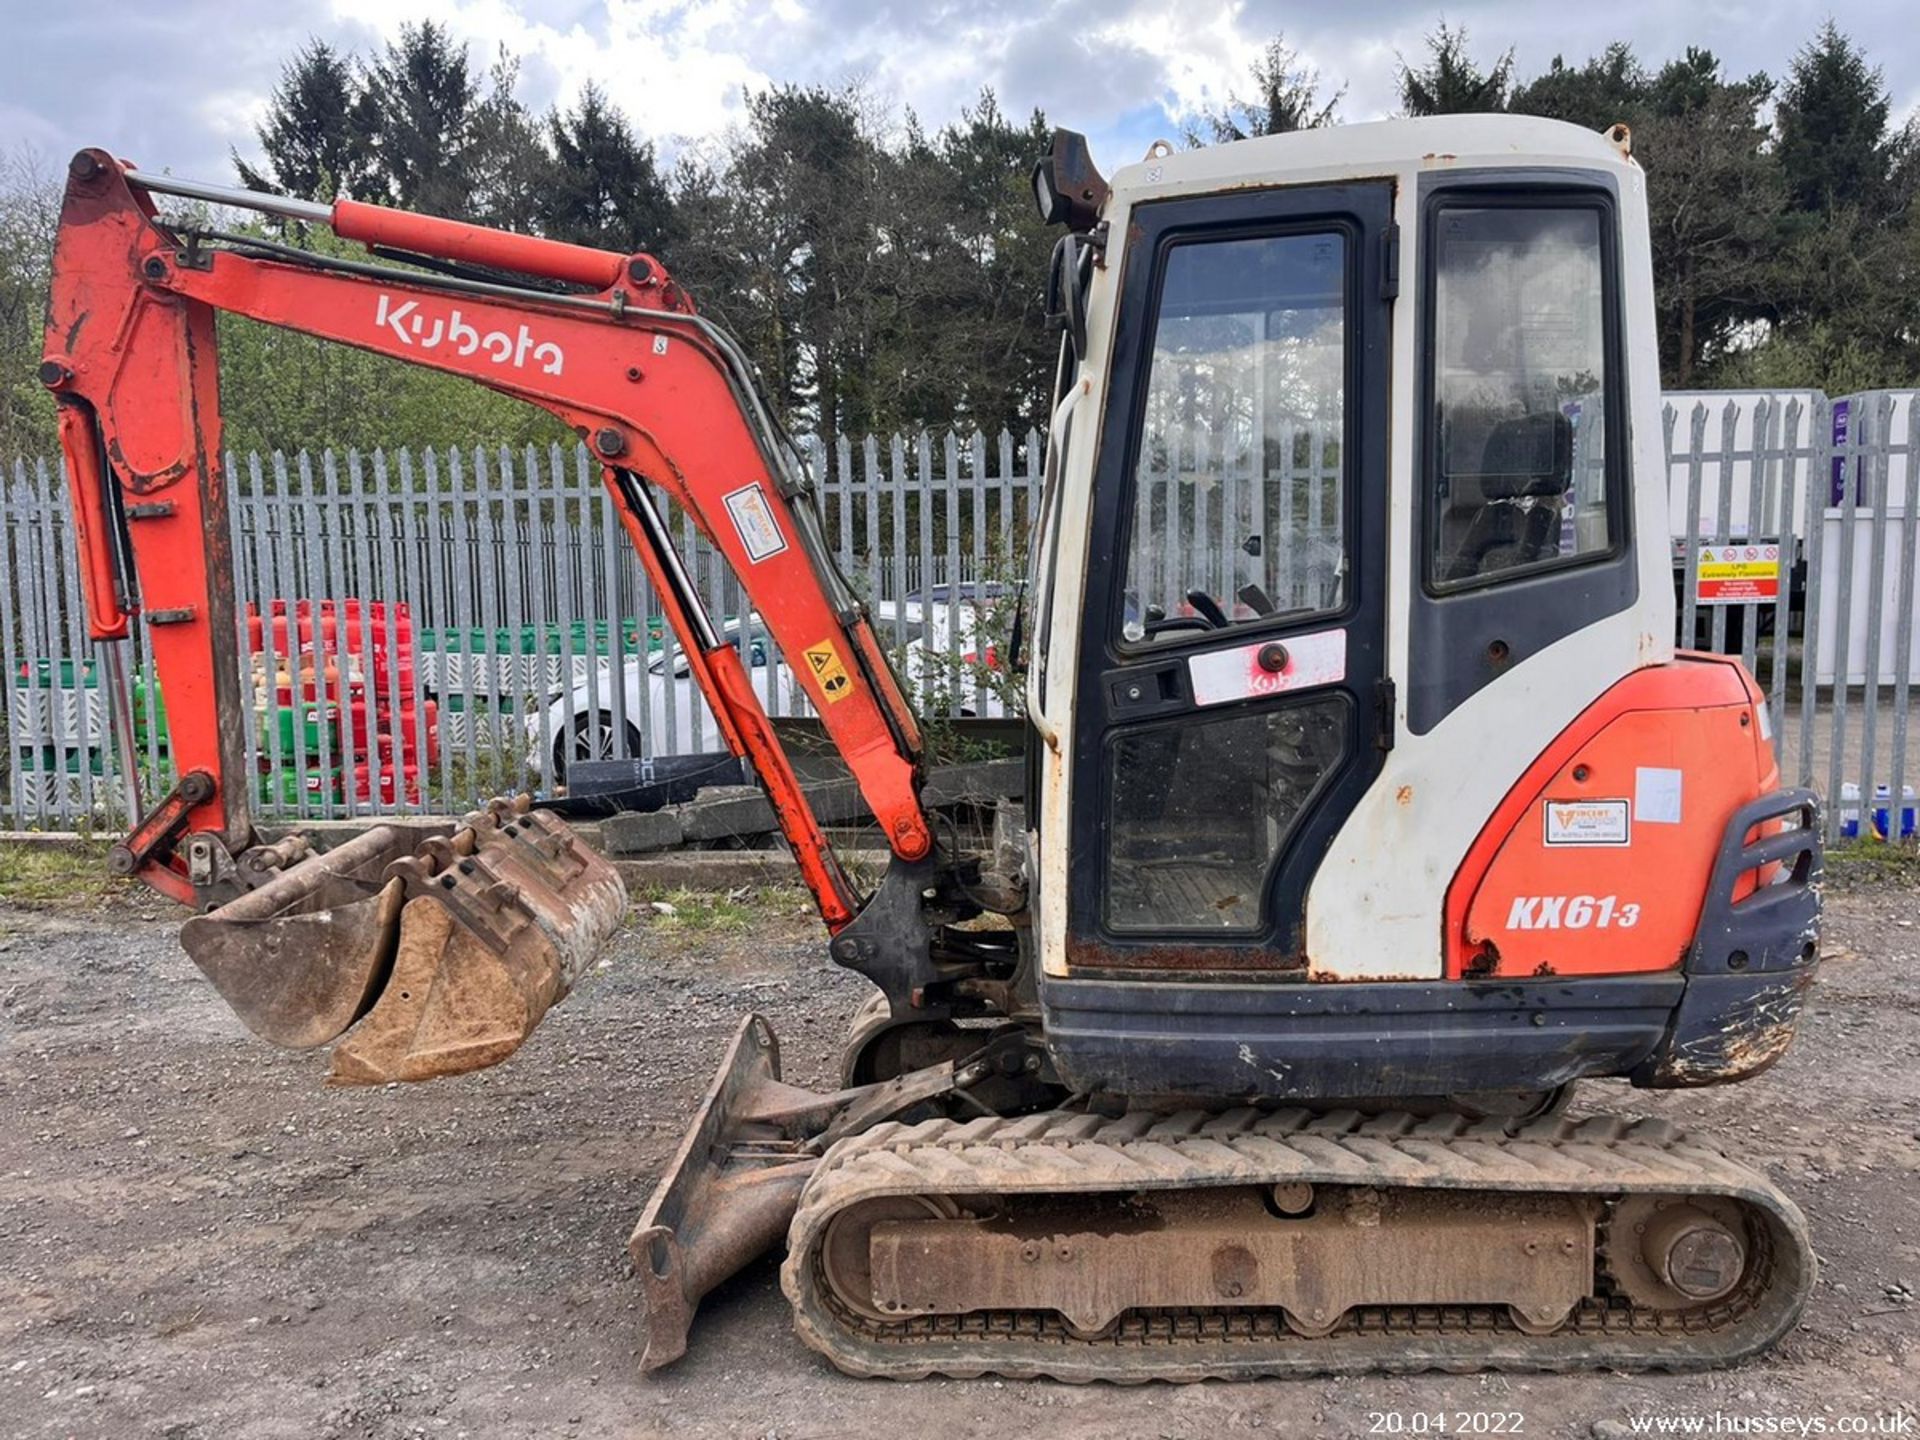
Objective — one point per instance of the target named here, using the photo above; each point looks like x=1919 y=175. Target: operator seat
x=1506 y=512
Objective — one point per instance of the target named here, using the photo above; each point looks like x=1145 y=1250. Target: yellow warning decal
x=827 y=668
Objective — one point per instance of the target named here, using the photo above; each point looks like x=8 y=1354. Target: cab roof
x=1373 y=149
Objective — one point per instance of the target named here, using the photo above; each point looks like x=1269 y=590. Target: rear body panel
x=1672 y=941
x=1606 y=844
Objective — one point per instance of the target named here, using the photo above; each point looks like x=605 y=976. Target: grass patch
x=54 y=877
x=1873 y=862
x=715 y=911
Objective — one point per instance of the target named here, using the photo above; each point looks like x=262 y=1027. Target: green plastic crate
x=581 y=637
x=45 y=673
x=149 y=709
x=456 y=704
x=53 y=759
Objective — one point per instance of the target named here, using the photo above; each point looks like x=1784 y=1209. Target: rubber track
x=1062 y=1153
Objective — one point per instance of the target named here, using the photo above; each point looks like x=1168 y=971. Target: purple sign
x=1837 y=488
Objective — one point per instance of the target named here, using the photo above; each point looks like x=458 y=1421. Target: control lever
x=1255 y=599
x=1208 y=609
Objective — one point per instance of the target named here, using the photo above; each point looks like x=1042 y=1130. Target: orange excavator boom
x=672 y=411
x=665 y=400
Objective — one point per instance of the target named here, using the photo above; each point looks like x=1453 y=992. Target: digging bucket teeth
x=431 y=958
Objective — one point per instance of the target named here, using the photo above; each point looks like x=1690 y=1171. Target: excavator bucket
x=430 y=958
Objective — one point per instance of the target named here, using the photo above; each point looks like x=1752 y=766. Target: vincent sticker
x=1587 y=822
x=753 y=521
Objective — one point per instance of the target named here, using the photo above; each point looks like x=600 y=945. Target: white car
x=659 y=709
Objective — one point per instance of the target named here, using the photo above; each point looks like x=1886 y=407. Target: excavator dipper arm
x=426 y=959
x=663 y=397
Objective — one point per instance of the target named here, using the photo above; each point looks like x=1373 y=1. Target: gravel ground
x=201 y=1242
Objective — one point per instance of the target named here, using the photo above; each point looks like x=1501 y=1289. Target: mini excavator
x=1369 y=804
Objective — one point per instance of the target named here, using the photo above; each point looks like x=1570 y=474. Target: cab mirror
x=1067 y=281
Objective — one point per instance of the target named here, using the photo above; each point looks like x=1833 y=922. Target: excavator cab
x=1369 y=803
x=1352 y=674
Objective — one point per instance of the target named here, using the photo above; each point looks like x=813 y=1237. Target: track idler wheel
x=846 y=1256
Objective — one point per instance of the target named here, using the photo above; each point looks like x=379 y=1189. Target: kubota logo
x=413 y=328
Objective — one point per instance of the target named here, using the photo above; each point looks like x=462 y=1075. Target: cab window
x=1239 y=486
x=1518 y=465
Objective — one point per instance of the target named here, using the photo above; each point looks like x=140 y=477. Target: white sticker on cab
x=1587 y=822
x=1656 y=795
x=1244 y=673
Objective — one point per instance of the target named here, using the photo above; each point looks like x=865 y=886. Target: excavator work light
x=1067 y=188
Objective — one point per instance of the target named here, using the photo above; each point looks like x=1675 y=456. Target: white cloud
x=1204 y=57
x=181 y=83
x=677 y=70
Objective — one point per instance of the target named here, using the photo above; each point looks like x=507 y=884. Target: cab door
x=1232 y=703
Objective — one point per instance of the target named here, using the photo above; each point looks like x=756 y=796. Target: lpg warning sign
x=825 y=663
x=1738 y=574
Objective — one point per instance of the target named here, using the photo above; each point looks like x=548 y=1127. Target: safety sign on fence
x=1738 y=574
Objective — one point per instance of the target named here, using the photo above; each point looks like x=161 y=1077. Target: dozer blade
x=446 y=953
x=732 y=1187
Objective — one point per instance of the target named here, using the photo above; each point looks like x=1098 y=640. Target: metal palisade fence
x=1794 y=524
x=423 y=629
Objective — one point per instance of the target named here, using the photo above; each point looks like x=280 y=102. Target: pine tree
x=312 y=144
x=1835 y=150
x=1452 y=82
x=786 y=250
x=603 y=187
x=1845 y=292
x=511 y=167
x=1714 y=199
x=1286 y=98
x=1610 y=87
x=968 y=343
x=417 y=114
x=29 y=215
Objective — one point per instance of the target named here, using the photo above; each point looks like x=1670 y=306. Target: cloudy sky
x=177 y=83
